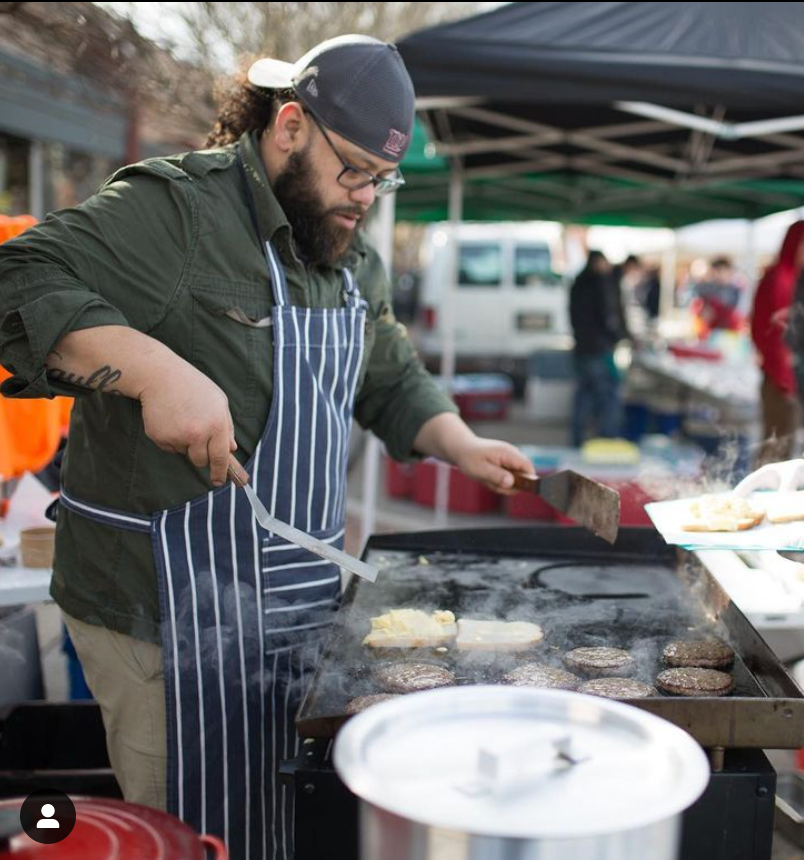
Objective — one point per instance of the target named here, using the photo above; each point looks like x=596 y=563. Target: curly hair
x=244 y=107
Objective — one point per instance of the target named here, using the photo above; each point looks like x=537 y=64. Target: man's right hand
x=185 y=412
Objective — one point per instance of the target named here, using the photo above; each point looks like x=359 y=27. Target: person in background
x=628 y=278
x=716 y=302
x=629 y=273
x=649 y=293
x=781 y=411
x=794 y=335
x=598 y=325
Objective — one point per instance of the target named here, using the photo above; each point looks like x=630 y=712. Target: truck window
x=532 y=265
x=479 y=265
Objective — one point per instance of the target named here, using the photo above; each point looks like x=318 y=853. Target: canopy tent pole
x=383 y=235
x=717 y=128
x=456 y=189
x=36 y=171
x=667 y=283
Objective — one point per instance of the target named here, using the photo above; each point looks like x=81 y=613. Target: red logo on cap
x=395 y=144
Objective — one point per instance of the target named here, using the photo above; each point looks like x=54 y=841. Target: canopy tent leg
x=36 y=171
x=383 y=236
x=667 y=283
x=456 y=189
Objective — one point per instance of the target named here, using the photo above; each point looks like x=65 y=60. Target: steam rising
x=632 y=605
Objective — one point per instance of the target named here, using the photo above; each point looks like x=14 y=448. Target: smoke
x=640 y=607
x=682 y=473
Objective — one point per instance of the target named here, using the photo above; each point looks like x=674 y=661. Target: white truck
x=506 y=299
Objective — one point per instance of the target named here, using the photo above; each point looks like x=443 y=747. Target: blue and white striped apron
x=245 y=612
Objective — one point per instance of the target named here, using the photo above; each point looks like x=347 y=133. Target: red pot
x=114 y=830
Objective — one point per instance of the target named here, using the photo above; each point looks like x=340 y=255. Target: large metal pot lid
x=521 y=763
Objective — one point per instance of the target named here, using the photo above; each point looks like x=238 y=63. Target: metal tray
x=639 y=591
x=790 y=806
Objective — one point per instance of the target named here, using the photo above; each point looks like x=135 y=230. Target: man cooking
x=209 y=303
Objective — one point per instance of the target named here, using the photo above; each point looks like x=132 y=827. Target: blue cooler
x=75 y=674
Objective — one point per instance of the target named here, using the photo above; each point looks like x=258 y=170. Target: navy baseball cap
x=355 y=85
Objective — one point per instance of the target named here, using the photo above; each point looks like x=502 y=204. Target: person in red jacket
x=781 y=411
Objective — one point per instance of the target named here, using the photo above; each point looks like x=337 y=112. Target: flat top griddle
x=638 y=595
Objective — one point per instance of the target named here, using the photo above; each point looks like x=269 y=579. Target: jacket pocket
x=232 y=340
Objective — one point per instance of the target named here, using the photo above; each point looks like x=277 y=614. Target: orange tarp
x=11 y=227
x=30 y=430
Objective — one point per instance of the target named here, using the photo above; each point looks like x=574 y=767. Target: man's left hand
x=491 y=462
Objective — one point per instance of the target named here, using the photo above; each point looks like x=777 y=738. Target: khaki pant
x=781 y=418
x=126 y=677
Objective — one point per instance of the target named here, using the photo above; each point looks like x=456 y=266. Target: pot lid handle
x=502 y=770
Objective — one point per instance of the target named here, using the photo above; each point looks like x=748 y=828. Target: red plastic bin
x=632 y=503
x=465 y=495
x=528 y=506
x=400 y=479
x=483 y=405
x=482 y=396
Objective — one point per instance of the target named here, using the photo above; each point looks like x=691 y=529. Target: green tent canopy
x=582 y=198
x=594 y=200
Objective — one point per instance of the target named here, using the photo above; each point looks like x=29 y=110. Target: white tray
x=668 y=517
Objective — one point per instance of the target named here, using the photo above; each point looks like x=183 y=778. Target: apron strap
x=106 y=516
x=277 y=274
x=351 y=291
x=275 y=270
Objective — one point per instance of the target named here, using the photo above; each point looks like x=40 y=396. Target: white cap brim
x=271 y=74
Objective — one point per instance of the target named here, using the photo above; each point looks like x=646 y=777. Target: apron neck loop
x=275 y=270
x=277 y=273
x=351 y=292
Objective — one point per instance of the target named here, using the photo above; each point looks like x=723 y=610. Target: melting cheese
x=411 y=628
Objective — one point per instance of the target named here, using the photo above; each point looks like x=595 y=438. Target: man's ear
x=291 y=128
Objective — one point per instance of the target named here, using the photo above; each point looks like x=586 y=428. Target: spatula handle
x=236 y=472
x=529 y=483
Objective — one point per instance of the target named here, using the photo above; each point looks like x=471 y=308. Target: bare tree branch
x=167 y=79
x=222 y=33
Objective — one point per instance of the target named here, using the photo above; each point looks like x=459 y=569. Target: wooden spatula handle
x=524 y=482
x=236 y=472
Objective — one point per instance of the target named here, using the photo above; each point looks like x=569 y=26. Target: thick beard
x=318 y=238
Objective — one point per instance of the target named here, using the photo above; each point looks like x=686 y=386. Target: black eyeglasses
x=354 y=178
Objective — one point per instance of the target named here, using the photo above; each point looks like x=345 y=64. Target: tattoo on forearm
x=100 y=380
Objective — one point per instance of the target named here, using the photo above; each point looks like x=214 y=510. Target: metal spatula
x=240 y=477
x=591 y=504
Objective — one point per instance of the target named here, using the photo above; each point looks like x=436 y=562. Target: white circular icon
x=48 y=811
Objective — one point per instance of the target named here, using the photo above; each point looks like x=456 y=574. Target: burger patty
x=695 y=682
x=701 y=653
x=537 y=675
x=360 y=703
x=617 y=688
x=600 y=662
x=411 y=677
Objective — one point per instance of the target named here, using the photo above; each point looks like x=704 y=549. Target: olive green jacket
x=169 y=247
